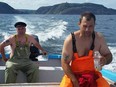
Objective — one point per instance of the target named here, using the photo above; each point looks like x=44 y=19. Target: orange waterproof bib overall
x=83 y=65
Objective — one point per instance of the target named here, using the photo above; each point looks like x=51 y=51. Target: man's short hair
x=20 y=24
x=88 y=15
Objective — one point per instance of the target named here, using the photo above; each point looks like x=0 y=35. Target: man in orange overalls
x=77 y=55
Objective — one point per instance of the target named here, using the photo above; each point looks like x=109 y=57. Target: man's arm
x=35 y=43
x=2 y=45
x=66 y=59
x=105 y=52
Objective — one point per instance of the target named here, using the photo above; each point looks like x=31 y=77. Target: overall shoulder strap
x=16 y=40
x=17 y=44
x=74 y=43
x=26 y=36
x=93 y=37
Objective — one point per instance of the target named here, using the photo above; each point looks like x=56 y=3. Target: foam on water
x=53 y=32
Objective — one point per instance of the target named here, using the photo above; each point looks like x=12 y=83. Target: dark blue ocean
x=53 y=29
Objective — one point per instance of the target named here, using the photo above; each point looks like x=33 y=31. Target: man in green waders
x=19 y=57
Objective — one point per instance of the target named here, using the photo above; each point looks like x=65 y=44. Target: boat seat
x=46 y=74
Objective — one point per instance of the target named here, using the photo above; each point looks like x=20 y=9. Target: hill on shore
x=75 y=8
x=63 y=8
x=6 y=9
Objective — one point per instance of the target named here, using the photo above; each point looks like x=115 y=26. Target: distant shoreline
x=60 y=9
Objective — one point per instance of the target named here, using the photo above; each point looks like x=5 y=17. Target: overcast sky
x=35 y=4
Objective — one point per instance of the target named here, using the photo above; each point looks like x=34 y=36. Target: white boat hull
x=49 y=71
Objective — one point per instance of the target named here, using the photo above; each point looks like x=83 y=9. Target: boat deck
x=54 y=84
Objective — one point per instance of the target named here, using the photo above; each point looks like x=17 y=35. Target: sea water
x=53 y=29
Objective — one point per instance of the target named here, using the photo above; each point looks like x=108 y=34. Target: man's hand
x=75 y=83
x=44 y=52
x=103 y=61
x=4 y=59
